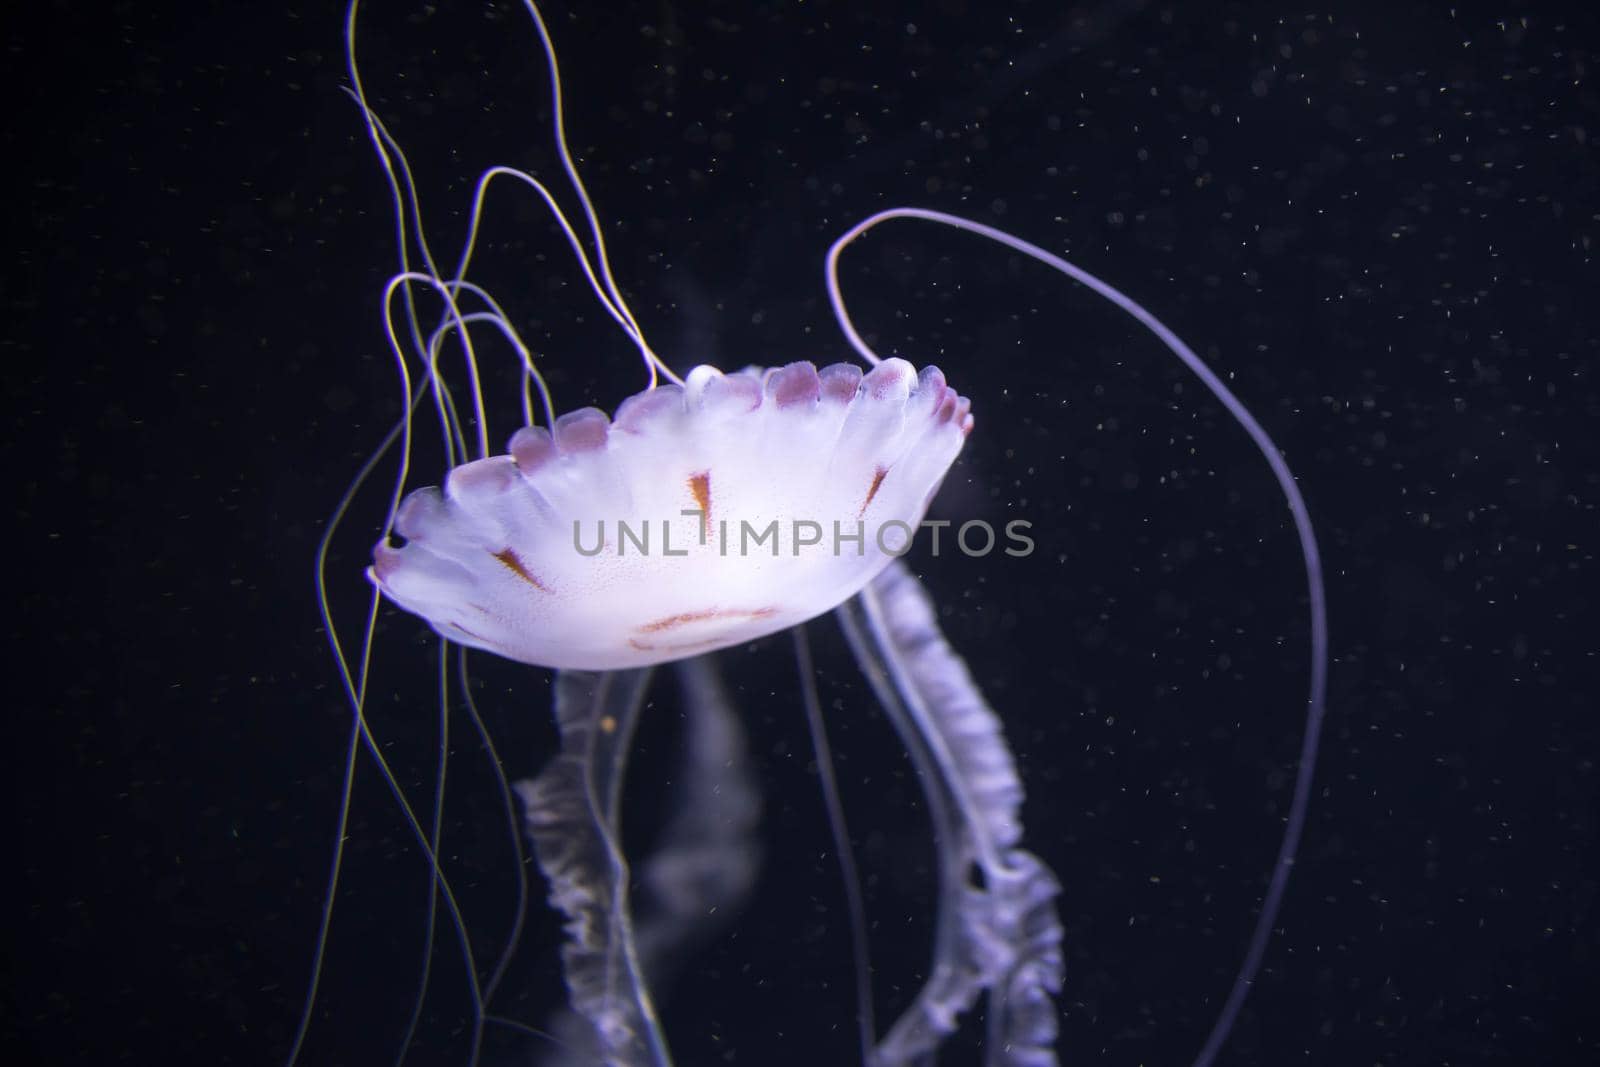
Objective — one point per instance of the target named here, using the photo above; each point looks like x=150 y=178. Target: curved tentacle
x=1001 y=937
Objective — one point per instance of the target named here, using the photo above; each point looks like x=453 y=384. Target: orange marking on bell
x=700 y=489
x=514 y=563
x=672 y=622
x=872 y=491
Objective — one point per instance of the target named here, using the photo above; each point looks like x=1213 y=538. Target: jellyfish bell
x=700 y=517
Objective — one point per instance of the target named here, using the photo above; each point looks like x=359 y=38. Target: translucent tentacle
x=1001 y=936
x=708 y=855
x=703 y=867
x=572 y=809
x=1311 y=556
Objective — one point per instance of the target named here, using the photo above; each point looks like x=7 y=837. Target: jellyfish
x=708 y=510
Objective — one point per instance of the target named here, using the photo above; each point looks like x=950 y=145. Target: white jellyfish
x=703 y=516
x=710 y=510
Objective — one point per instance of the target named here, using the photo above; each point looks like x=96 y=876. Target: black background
x=1380 y=225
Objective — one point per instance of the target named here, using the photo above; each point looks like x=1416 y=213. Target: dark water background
x=1381 y=226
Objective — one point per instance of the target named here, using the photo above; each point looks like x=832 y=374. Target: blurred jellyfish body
x=707 y=511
